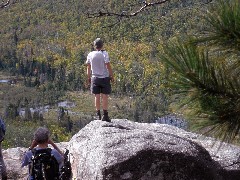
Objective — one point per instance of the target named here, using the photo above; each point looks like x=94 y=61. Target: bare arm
x=33 y=145
x=89 y=73
x=55 y=146
x=109 y=67
x=89 y=70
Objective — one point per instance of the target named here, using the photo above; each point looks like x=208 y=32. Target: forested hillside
x=45 y=43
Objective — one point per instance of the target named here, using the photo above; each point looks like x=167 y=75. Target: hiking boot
x=106 y=118
x=98 y=116
x=4 y=176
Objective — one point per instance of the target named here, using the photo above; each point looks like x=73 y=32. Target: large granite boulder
x=128 y=150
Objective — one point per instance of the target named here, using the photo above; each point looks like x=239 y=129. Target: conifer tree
x=206 y=71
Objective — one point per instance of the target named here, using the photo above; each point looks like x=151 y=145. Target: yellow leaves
x=58 y=133
x=24 y=43
x=41 y=59
x=135 y=65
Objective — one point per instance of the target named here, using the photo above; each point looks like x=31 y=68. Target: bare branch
x=146 y=5
x=124 y=14
x=4 y=4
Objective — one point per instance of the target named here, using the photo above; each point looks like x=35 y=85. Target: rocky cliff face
x=128 y=150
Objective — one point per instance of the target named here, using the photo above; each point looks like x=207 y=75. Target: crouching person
x=43 y=162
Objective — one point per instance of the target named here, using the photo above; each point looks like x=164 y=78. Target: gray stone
x=126 y=150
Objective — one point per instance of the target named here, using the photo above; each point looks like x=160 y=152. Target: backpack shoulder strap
x=49 y=150
x=39 y=151
x=33 y=151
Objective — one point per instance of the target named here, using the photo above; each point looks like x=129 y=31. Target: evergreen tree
x=206 y=70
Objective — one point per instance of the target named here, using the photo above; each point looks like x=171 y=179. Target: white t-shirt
x=98 y=59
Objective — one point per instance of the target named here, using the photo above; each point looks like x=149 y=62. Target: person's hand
x=111 y=79
x=33 y=145
x=50 y=142
x=55 y=146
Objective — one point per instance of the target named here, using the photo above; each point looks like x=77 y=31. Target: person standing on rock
x=99 y=73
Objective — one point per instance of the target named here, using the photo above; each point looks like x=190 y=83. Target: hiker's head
x=98 y=43
x=41 y=135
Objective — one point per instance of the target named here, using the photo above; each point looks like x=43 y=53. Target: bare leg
x=97 y=101
x=105 y=101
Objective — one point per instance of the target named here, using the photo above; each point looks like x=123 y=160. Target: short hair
x=41 y=135
x=98 y=43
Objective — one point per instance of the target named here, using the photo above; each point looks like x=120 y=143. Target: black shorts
x=100 y=85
